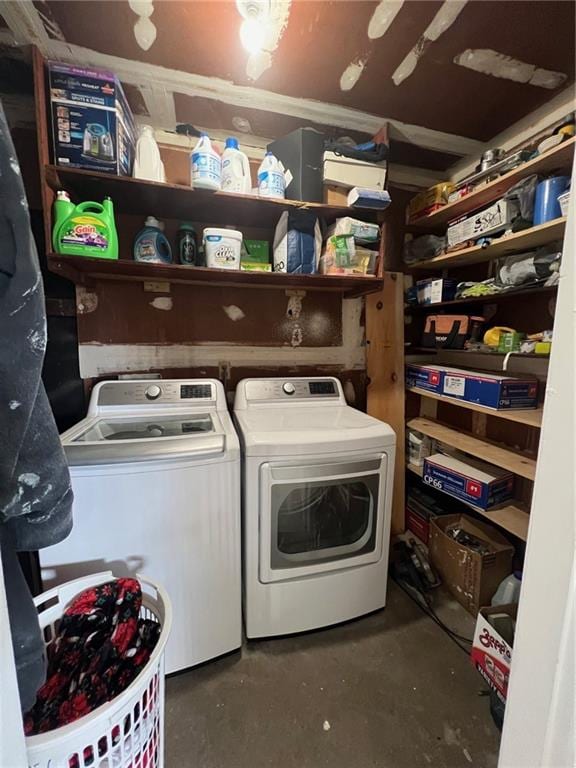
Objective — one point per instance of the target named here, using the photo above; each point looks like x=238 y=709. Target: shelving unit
x=512 y=517
x=505 y=438
x=530 y=417
x=503 y=246
x=520 y=465
x=548 y=162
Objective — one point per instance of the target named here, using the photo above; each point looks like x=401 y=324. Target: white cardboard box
x=494 y=219
x=348 y=172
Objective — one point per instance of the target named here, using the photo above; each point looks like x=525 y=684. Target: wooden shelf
x=532 y=417
x=520 y=465
x=518 y=242
x=495 y=298
x=81 y=270
x=512 y=517
x=557 y=158
x=176 y=201
x=471 y=352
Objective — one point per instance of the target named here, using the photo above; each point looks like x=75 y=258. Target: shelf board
x=525 y=240
x=557 y=158
x=512 y=517
x=530 y=416
x=520 y=465
x=495 y=298
x=178 y=201
x=82 y=269
x=470 y=352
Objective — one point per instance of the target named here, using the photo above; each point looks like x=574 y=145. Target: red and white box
x=491 y=654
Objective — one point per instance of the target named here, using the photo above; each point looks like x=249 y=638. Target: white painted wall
x=539 y=727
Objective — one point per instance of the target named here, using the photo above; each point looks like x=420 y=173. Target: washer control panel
x=166 y=392
x=291 y=389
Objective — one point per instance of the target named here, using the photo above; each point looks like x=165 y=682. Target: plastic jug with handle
x=271 y=180
x=206 y=165
x=87 y=229
x=235 y=169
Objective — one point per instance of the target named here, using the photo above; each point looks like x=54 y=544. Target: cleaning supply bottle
x=87 y=229
x=147 y=161
x=151 y=244
x=235 y=169
x=206 y=165
x=187 y=244
x=271 y=181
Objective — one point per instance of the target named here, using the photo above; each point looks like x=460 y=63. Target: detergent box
x=492 y=647
x=475 y=482
x=92 y=125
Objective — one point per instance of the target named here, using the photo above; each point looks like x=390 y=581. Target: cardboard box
x=472 y=578
x=428 y=377
x=435 y=290
x=491 y=654
x=92 y=125
x=492 y=220
x=348 y=172
x=475 y=482
x=491 y=390
x=301 y=152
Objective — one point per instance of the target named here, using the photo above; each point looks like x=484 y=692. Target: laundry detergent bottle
x=87 y=229
x=271 y=181
x=151 y=244
x=235 y=169
x=206 y=165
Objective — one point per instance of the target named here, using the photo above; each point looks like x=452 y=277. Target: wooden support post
x=385 y=368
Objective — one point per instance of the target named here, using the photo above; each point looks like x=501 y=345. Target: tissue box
x=92 y=125
x=475 y=482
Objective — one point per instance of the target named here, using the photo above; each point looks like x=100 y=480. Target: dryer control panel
x=273 y=390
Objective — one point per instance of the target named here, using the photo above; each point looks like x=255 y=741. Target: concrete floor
x=390 y=690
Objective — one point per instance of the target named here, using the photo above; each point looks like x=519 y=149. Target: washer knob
x=153 y=392
x=288 y=388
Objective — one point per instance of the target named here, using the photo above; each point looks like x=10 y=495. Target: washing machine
x=317 y=495
x=155 y=471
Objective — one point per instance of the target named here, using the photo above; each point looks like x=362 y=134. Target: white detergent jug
x=235 y=169
x=206 y=165
x=271 y=181
x=147 y=161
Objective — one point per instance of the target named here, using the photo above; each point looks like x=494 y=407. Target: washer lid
x=108 y=440
x=290 y=431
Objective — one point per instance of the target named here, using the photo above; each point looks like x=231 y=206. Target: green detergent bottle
x=87 y=229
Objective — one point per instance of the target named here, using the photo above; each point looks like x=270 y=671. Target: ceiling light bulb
x=252 y=34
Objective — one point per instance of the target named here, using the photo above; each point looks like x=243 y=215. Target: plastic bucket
x=546 y=205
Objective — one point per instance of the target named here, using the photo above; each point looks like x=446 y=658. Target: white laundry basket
x=127 y=732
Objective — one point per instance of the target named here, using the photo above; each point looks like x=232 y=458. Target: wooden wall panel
x=385 y=369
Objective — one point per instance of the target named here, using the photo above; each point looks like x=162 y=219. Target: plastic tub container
x=222 y=248
x=127 y=732
x=546 y=205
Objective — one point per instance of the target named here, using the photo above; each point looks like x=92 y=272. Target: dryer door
x=320 y=517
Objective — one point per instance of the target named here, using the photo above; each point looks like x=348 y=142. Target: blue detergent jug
x=151 y=244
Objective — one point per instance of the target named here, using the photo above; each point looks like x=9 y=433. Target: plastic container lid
x=231 y=142
x=152 y=221
x=233 y=233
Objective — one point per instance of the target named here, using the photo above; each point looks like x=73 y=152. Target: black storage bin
x=302 y=153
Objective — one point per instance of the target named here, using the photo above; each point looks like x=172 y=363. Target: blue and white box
x=474 y=482
x=92 y=125
x=492 y=390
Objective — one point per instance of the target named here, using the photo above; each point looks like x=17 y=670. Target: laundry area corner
x=287 y=388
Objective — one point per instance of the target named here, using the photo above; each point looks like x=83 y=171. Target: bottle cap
x=231 y=142
x=187 y=225
x=62 y=195
x=152 y=221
